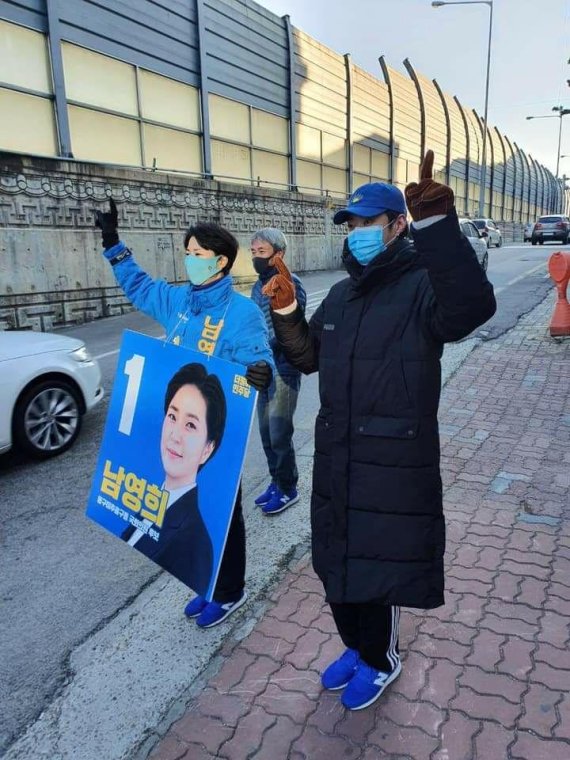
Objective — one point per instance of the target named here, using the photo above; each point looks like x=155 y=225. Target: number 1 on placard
x=133 y=370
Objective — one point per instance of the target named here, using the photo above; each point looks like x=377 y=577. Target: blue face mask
x=365 y=243
x=200 y=269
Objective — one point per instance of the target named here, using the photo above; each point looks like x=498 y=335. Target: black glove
x=259 y=375
x=108 y=223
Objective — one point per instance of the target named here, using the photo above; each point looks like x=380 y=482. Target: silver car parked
x=527 y=233
x=489 y=231
x=478 y=242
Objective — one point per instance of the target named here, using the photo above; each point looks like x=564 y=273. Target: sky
x=529 y=55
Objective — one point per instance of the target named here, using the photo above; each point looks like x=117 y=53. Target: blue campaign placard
x=171 y=457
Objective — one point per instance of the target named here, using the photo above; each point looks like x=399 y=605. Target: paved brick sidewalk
x=487 y=677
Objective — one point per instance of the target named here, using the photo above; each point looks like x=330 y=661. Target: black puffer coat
x=378 y=531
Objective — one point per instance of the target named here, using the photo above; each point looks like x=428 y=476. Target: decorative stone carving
x=61 y=197
x=141 y=204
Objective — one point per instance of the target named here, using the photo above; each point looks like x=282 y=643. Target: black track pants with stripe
x=371 y=629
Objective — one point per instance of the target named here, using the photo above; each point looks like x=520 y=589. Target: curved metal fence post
x=468 y=156
x=448 y=128
x=56 y=61
x=413 y=76
x=292 y=105
x=204 y=91
x=504 y=188
x=388 y=81
x=348 y=65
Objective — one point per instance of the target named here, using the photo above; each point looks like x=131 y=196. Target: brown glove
x=280 y=288
x=427 y=197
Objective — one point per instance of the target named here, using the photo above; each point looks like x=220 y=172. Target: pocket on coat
x=399 y=441
x=388 y=427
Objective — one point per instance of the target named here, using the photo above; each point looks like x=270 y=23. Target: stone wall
x=52 y=272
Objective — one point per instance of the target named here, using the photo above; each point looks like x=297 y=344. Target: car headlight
x=81 y=355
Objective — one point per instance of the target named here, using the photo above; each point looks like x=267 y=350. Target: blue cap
x=371 y=200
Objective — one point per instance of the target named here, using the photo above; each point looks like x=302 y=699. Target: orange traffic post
x=559 y=268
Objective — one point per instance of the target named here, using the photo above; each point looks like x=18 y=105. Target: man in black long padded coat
x=378 y=530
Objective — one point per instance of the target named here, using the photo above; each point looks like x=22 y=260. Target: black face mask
x=261 y=265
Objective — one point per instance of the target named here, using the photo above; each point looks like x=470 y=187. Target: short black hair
x=215 y=238
x=392 y=216
x=212 y=392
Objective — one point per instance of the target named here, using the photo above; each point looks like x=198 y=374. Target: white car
x=490 y=232
x=47 y=383
x=478 y=242
x=527 y=234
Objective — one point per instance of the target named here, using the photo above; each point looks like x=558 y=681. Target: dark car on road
x=554 y=227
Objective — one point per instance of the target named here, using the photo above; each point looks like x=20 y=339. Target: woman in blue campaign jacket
x=207 y=316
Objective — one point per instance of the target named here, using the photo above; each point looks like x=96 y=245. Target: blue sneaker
x=280 y=501
x=195 y=607
x=215 y=613
x=339 y=672
x=367 y=685
x=265 y=497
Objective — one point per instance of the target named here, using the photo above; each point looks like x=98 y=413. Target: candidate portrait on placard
x=192 y=430
x=171 y=456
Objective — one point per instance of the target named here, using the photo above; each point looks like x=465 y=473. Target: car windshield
x=550 y=219
x=479 y=223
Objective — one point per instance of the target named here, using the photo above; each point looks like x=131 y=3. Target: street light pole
x=559 y=145
x=483 y=172
x=561 y=112
x=484 y=157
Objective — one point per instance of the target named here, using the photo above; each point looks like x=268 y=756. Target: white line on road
x=116 y=350
x=519 y=278
x=106 y=354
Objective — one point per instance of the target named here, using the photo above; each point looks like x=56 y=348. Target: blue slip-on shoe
x=265 y=497
x=339 y=673
x=280 y=501
x=367 y=685
x=195 y=607
x=215 y=613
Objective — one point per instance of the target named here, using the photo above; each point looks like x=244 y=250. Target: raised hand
x=280 y=288
x=108 y=223
x=428 y=197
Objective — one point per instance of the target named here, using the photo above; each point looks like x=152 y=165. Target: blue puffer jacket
x=214 y=319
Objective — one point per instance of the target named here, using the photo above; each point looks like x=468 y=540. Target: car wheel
x=541 y=242
x=499 y=242
x=47 y=418
x=533 y=242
